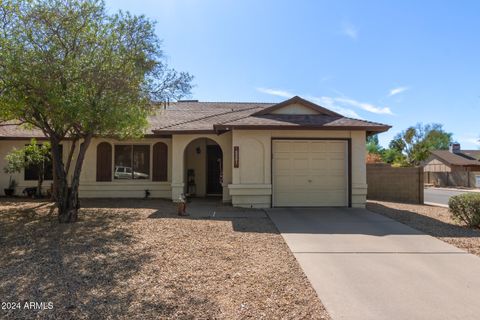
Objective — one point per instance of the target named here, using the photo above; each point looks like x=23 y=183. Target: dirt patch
x=432 y=220
x=137 y=259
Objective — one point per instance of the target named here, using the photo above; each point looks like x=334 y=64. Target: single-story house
x=293 y=153
x=453 y=167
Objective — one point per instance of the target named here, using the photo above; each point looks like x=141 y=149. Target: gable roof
x=215 y=117
x=454 y=158
x=301 y=101
x=224 y=116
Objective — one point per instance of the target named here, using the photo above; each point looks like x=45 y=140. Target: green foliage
x=70 y=68
x=412 y=146
x=465 y=208
x=36 y=154
x=373 y=145
x=32 y=154
x=73 y=70
x=394 y=156
x=15 y=161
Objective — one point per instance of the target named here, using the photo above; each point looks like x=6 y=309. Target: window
x=132 y=162
x=31 y=172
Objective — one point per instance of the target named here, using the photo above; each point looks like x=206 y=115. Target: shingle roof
x=472 y=153
x=192 y=116
x=13 y=130
x=454 y=159
x=310 y=121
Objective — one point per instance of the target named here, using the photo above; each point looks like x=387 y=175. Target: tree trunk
x=53 y=196
x=73 y=201
x=67 y=198
x=60 y=182
x=39 y=184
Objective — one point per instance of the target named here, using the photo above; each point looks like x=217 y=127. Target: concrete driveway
x=366 y=266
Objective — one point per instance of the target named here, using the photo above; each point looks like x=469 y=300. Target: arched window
x=104 y=162
x=160 y=162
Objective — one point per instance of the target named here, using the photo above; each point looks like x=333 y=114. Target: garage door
x=310 y=173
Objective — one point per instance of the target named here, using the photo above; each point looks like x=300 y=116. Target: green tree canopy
x=414 y=145
x=373 y=145
x=32 y=155
x=74 y=71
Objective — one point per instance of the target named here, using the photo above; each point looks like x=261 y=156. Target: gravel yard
x=432 y=220
x=137 y=259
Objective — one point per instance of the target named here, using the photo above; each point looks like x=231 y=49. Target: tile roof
x=456 y=159
x=191 y=116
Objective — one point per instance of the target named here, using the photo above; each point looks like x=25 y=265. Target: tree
x=32 y=155
x=74 y=71
x=373 y=145
x=414 y=145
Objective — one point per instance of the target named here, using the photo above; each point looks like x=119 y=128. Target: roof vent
x=454 y=147
x=187 y=100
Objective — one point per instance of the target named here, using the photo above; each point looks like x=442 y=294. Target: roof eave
x=376 y=129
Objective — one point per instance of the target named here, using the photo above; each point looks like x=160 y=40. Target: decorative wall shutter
x=104 y=162
x=160 y=162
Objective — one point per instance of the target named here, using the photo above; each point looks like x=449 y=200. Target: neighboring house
x=453 y=167
x=293 y=153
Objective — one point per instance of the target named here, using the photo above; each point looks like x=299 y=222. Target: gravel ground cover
x=432 y=220
x=135 y=259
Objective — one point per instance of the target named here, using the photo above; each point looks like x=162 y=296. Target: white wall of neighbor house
x=252 y=182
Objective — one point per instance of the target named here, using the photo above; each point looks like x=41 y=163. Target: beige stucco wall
x=180 y=143
x=295 y=108
x=251 y=182
x=247 y=186
x=90 y=188
x=6 y=146
x=198 y=162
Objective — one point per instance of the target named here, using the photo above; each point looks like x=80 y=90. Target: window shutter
x=160 y=162
x=104 y=162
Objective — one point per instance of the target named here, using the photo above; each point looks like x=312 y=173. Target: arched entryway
x=203 y=168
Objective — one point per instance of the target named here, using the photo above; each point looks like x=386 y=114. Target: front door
x=214 y=170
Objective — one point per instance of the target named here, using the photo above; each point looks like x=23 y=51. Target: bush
x=466 y=208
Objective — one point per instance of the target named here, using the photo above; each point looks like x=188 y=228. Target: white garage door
x=310 y=173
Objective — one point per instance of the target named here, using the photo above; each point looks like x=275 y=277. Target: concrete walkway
x=214 y=208
x=366 y=266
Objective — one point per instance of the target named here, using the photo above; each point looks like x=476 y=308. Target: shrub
x=466 y=208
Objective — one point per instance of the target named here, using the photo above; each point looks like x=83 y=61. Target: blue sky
x=395 y=62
